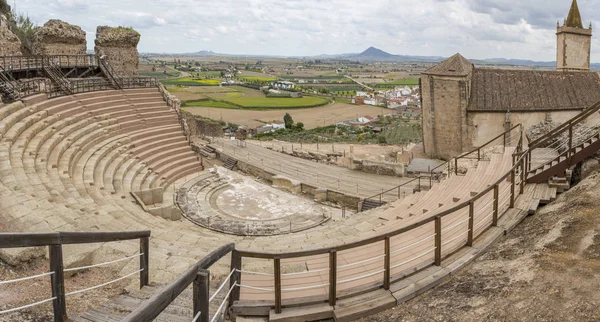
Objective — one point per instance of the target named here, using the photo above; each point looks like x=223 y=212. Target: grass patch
x=208 y=103
x=400 y=82
x=273 y=103
x=257 y=78
x=342 y=100
x=188 y=81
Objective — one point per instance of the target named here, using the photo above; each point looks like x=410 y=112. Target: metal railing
x=55 y=241
x=18 y=63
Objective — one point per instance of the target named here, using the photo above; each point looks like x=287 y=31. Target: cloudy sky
x=476 y=28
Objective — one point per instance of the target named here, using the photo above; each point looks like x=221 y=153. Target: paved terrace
x=336 y=178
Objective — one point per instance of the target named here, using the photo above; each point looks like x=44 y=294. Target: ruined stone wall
x=119 y=45
x=10 y=45
x=57 y=37
x=200 y=127
x=484 y=126
x=444 y=115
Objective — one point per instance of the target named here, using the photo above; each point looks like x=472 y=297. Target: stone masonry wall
x=119 y=45
x=10 y=45
x=199 y=127
x=444 y=115
x=59 y=38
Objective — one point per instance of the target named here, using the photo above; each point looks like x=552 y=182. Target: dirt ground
x=30 y=291
x=311 y=117
x=547 y=269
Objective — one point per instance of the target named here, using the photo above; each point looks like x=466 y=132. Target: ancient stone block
x=119 y=45
x=57 y=37
x=10 y=45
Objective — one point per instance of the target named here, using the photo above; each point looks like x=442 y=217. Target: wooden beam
x=332 y=277
x=144 y=261
x=438 y=241
x=277 y=275
x=387 y=264
x=152 y=307
x=58 y=283
x=201 y=290
x=13 y=240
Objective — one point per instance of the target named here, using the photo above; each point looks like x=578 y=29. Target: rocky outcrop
x=119 y=45
x=10 y=45
x=57 y=37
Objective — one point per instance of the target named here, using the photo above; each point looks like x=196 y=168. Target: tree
x=289 y=122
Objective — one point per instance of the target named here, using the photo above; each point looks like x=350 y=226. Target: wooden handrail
x=151 y=308
x=379 y=238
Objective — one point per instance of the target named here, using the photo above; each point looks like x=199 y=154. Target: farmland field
x=257 y=78
x=311 y=117
x=264 y=102
x=188 y=81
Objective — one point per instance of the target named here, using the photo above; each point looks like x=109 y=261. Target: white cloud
x=476 y=28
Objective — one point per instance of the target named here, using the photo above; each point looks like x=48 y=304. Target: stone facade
x=573 y=49
x=445 y=102
x=465 y=106
x=484 y=126
x=574 y=42
x=119 y=45
x=10 y=45
x=57 y=37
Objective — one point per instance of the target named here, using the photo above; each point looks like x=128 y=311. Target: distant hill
x=374 y=53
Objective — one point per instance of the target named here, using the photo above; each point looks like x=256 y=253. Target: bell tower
x=573 y=43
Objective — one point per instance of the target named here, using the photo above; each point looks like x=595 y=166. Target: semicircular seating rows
x=70 y=164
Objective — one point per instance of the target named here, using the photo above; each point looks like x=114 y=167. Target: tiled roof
x=528 y=90
x=456 y=65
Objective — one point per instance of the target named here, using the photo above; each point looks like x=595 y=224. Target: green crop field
x=257 y=78
x=258 y=103
x=400 y=82
x=264 y=102
x=188 y=81
x=208 y=103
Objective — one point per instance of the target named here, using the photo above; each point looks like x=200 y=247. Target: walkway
x=336 y=178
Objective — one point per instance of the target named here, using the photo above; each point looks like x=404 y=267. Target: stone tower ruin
x=120 y=46
x=573 y=43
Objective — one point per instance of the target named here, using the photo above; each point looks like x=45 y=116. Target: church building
x=465 y=106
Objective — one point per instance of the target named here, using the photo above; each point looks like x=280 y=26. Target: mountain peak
x=375 y=53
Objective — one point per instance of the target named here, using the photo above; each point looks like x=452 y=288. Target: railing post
x=455 y=166
x=438 y=241
x=419 y=183
x=144 y=261
x=523 y=176
x=512 y=189
x=236 y=277
x=478 y=154
x=332 y=277
x=201 y=288
x=58 y=283
x=495 y=216
x=471 y=224
x=277 y=275
x=570 y=143
x=387 y=260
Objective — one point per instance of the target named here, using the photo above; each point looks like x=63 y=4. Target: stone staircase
x=230 y=164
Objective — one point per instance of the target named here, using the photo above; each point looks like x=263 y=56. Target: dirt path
x=547 y=269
